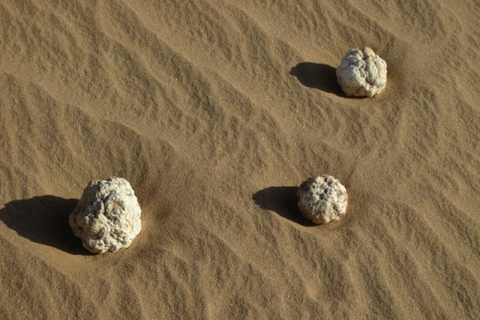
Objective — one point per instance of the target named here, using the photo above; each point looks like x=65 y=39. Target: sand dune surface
x=215 y=111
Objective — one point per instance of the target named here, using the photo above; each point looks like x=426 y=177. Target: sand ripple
x=215 y=111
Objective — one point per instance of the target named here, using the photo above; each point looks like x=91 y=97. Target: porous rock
x=362 y=73
x=322 y=199
x=107 y=217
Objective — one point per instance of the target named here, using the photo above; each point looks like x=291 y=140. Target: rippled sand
x=215 y=111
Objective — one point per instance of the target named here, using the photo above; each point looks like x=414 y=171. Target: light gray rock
x=107 y=217
x=322 y=199
x=362 y=73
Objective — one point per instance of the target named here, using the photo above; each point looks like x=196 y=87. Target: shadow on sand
x=44 y=220
x=283 y=201
x=318 y=76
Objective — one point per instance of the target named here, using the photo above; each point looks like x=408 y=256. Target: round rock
x=362 y=73
x=107 y=217
x=322 y=199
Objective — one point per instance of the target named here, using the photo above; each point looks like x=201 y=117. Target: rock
x=322 y=199
x=362 y=73
x=107 y=217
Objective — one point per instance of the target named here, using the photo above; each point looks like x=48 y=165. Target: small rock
x=362 y=73
x=322 y=199
x=107 y=217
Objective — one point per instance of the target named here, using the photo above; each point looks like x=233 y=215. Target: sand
x=215 y=112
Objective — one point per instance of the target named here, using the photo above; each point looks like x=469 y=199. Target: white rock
x=322 y=199
x=362 y=73
x=107 y=217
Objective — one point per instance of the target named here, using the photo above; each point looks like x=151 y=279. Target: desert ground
x=215 y=112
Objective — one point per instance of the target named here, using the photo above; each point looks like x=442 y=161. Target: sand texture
x=215 y=111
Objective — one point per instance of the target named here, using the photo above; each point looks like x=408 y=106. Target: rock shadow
x=319 y=76
x=283 y=201
x=44 y=220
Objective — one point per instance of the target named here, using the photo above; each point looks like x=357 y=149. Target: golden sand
x=215 y=112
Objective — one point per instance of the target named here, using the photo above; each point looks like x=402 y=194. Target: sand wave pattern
x=215 y=111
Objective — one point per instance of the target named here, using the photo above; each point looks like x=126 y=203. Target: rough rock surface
x=362 y=73
x=107 y=217
x=322 y=199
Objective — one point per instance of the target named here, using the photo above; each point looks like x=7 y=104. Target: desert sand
x=215 y=112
